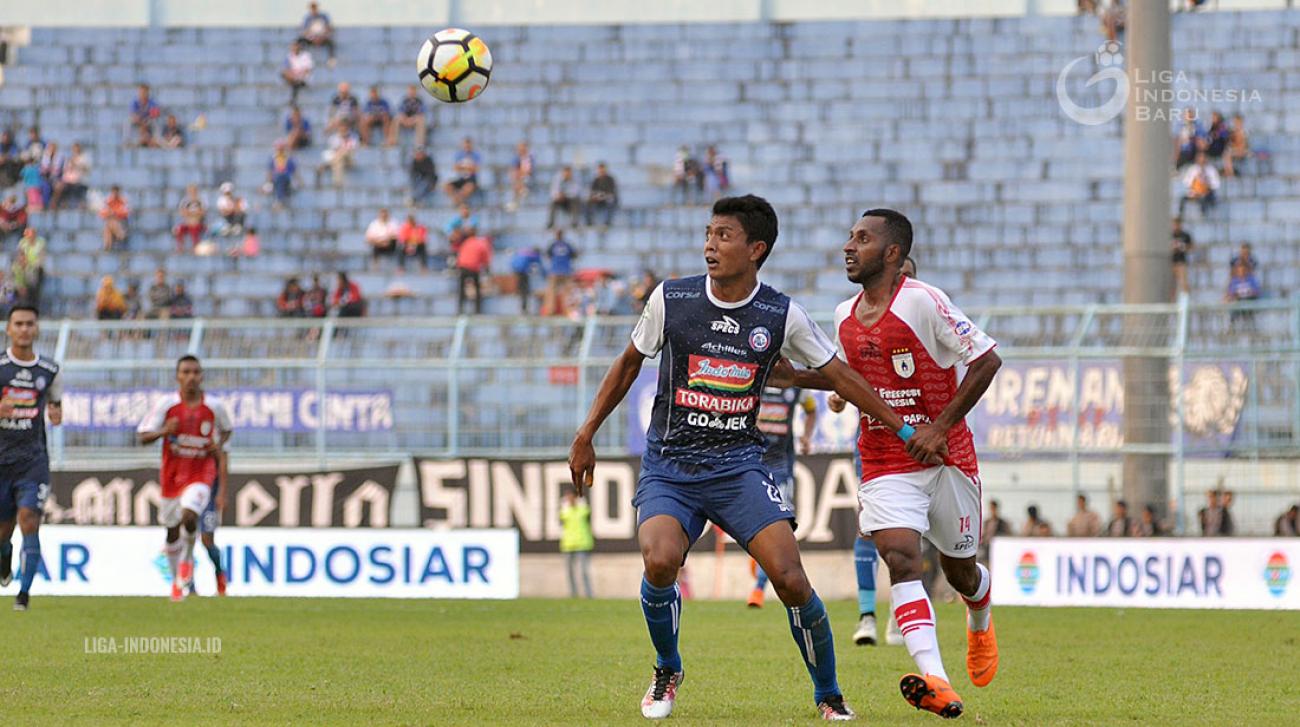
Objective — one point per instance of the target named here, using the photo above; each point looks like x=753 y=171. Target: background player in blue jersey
x=32 y=391
x=776 y=421
x=210 y=518
x=721 y=334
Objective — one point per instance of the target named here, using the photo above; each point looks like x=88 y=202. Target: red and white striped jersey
x=910 y=357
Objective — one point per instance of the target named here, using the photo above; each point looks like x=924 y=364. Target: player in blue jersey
x=32 y=392
x=209 y=519
x=721 y=333
x=776 y=408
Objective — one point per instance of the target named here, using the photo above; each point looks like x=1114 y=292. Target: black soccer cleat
x=6 y=569
x=833 y=709
x=20 y=601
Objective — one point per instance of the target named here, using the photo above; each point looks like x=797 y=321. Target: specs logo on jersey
x=726 y=325
x=24 y=375
x=904 y=365
x=720 y=374
x=759 y=339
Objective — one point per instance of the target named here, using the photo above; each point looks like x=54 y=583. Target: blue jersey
x=776 y=421
x=717 y=356
x=27 y=386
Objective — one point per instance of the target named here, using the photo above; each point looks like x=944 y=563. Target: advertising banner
x=350 y=498
x=256 y=410
x=1253 y=573
x=288 y=562
x=526 y=495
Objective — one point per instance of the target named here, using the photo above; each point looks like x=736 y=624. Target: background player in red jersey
x=195 y=430
x=908 y=340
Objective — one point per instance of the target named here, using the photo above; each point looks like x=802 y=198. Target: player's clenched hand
x=835 y=403
x=782 y=374
x=929 y=444
x=582 y=462
x=171 y=426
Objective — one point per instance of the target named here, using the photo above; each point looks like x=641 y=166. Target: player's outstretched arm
x=850 y=385
x=615 y=385
x=979 y=375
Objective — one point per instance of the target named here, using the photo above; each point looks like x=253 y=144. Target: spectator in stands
x=464 y=181
x=603 y=197
x=524 y=263
x=377 y=112
x=1238 y=146
x=250 y=246
x=192 y=217
x=133 y=303
x=116 y=215
x=173 y=136
x=1181 y=244
x=297 y=129
x=318 y=31
x=381 y=237
x=51 y=167
x=28 y=268
x=521 y=175
x=1120 y=523
x=460 y=226
x=1210 y=517
x=1189 y=139
x=290 y=302
x=1228 y=527
x=1035 y=526
x=144 y=112
x=182 y=306
x=314 y=300
x=559 y=257
x=33 y=184
x=1287 y=524
x=424 y=176
x=1200 y=184
x=1085 y=523
x=641 y=290
x=7 y=296
x=280 y=175
x=688 y=177
x=566 y=195
x=472 y=260
x=160 y=296
x=1112 y=18
x=1148 y=524
x=347 y=298
x=1242 y=286
x=110 y=304
x=413 y=238
x=1245 y=256
x=233 y=210
x=70 y=188
x=577 y=541
x=716 y=176
x=345 y=109
x=410 y=115
x=1216 y=137
x=10 y=161
x=339 y=154
x=296 y=70
x=992 y=526
x=13 y=219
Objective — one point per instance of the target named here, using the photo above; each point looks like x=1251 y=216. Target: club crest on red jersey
x=904 y=365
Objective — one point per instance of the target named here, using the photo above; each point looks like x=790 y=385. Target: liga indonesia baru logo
x=1111 y=61
x=1027 y=572
x=1277 y=574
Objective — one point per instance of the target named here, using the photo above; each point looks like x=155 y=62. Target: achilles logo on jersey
x=726 y=325
x=720 y=348
x=904 y=366
x=720 y=373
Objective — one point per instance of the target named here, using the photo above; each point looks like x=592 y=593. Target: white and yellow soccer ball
x=454 y=65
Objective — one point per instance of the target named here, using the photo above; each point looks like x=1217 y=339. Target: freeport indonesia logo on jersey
x=904 y=364
x=726 y=325
x=720 y=373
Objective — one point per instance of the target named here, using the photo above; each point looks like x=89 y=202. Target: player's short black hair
x=1122 y=504
x=187 y=357
x=897 y=226
x=756 y=216
x=22 y=306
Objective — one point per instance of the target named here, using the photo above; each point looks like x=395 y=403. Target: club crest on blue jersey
x=760 y=338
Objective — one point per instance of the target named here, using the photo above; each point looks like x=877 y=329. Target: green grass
x=296 y=661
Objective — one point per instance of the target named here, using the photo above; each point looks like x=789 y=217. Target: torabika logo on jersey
x=904 y=364
x=1277 y=573
x=720 y=373
x=1027 y=572
x=759 y=339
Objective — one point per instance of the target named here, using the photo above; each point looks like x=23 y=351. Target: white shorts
x=940 y=503
x=194 y=498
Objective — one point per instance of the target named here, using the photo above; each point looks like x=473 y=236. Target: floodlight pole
x=1148 y=274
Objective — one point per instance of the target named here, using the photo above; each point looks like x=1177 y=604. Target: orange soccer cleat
x=755 y=598
x=982 y=655
x=221 y=584
x=932 y=694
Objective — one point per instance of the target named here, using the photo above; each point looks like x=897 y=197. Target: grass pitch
x=299 y=661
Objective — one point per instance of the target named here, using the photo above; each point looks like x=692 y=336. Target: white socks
x=916 y=619
x=978 y=603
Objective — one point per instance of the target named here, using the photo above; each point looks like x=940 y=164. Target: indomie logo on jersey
x=726 y=325
x=720 y=373
x=1277 y=573
x=23 y=401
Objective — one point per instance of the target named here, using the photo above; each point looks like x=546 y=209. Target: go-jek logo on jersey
x=1027 y=572
x=720 y=374
x=1277 y=574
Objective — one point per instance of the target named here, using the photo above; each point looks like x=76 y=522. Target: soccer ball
x=454 y=65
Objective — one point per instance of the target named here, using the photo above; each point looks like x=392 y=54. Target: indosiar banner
x=526 y=495
x=1254 y=573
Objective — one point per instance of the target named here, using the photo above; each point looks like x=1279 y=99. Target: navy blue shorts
x=742 y=502
x=24 y=484
x=210 y=518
